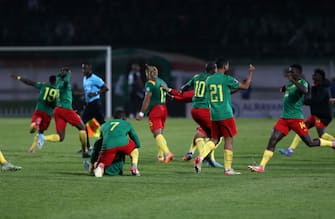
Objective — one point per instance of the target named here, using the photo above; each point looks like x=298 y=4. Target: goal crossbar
x=108 y=62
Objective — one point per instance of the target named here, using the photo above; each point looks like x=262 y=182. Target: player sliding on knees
x=117 y=135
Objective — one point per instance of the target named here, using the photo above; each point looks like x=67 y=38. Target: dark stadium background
x=259 y=28
x=268 y=33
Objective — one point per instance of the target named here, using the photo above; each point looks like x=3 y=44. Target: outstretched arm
x=23 y=80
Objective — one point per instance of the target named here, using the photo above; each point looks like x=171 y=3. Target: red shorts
x=297 y=125
x=314 y=120
x=63 y=116
x=157 y=117
x=107 y=156
x=45 y=119
x=203 y=118
x=225 y=128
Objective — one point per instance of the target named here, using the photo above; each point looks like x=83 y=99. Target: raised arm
x=23 y=80
x=245 y=85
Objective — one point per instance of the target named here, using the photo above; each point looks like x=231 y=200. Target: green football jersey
x=158 y=94
x=198 y=83
x=47 y=97
x=65 y=91
x=116 y=133
x=293 y=101
x=218 y=88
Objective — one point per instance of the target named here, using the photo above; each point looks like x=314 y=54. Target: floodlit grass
x=54 y=184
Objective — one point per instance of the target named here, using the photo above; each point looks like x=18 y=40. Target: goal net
x=38 y=63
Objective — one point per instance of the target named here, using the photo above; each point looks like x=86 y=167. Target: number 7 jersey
x=116 y=133
x=218 y=88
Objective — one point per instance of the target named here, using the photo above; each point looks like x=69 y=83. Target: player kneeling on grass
x=114 y=169
x=117 y=135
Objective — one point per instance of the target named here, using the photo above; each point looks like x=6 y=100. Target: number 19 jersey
x=47 y=97
x=218 y=88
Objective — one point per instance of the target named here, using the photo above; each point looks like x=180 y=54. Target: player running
x=292 y=118
x=218 y=88
x=321 y=112
x=46 y=103
x=200 y=110
x=154 y=105
x=64 y=113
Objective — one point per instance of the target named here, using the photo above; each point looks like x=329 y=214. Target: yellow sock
x=52 y=138
x=83 y=139
x=228 y=158
x=192 y=148
x=220 y=140
x=161 y=143
x=2 y=158
x=295 y=142
x=134 y=157
x=213 y=155
x=213 y=151
x=327 y=136
x=34 y=145
x=199 y=143
x=266 y=157
x=208 y=147
x=160 y=153
x=325 y=143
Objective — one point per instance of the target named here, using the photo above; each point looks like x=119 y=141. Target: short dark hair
x=220 y=62
x=320 y=72
x=65 y=70
x=119 y=113
x=210 y=67
x=297 y=66
x=52 y=79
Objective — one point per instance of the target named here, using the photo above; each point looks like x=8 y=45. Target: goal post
x=7 y=53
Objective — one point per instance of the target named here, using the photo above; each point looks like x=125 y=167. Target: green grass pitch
x=53 y=183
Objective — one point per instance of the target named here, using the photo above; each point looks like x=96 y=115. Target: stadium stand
x=197 y=27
